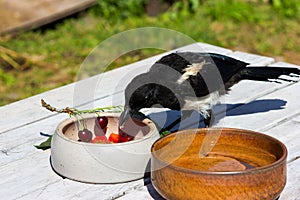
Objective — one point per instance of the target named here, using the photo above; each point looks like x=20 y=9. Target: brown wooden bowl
x=242 y=164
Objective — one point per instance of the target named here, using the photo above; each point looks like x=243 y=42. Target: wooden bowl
x=242 y=164
x=103 y=163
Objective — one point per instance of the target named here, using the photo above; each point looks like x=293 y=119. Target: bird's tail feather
x=267 y=73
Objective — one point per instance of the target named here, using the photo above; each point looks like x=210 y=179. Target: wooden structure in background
x=16 y=15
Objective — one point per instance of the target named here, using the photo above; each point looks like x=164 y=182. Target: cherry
x=85 y=135
x=102 y=121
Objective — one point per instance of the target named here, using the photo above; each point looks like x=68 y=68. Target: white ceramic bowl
x=103 y=163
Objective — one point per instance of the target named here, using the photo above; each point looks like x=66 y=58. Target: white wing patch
x=202 y=104
x=190 y=70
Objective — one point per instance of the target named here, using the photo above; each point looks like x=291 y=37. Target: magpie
x=193 y=81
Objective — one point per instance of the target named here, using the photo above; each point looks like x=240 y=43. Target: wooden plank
x=288 y=132
x=265 y=111
x=69 y=189
x=252 y=59
x=27 y=175
x=292 y=188
x=142 y=193
x=145 y=192
x=276 y=64
x=28 y=14
x=36 y=179
x=202 y=47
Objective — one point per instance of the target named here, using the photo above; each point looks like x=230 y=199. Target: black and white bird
x=192 y=81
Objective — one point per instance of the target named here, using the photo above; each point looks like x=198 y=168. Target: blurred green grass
x=262 y=27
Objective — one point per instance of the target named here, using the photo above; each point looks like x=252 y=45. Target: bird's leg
x=210 y=119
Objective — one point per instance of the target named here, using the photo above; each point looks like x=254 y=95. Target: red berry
x=100 y=139
x=85 y=135
x=116 y=138
x=102 y=121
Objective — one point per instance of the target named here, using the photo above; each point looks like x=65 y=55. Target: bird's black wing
x=218 y=72
x=225 y=65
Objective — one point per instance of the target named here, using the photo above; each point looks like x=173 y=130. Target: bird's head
x=146 y=91
x=142 y=97
x=139 y=94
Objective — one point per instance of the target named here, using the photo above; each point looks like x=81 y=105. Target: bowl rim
x=262 y=169
x=70 y=120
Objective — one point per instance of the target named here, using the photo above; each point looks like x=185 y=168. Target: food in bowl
x=100 y=133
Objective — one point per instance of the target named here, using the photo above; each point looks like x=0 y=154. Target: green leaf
x=164 y=133
x=45 y=145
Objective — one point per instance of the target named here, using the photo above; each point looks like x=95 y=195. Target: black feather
x=266 y=73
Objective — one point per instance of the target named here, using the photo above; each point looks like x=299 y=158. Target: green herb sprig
x=76 y=113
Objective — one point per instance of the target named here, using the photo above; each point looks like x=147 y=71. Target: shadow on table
x=165 y=118
x=195 y=120
x=256 y=106
x=153 y=193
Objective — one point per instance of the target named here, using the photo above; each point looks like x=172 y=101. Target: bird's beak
x=124 y=116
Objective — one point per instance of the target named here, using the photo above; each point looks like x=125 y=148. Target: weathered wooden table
x=26 y=172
